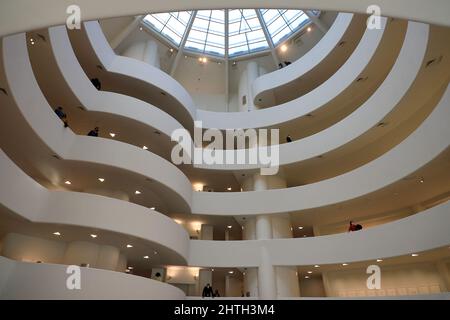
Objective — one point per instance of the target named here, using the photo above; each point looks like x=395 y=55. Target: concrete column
x=151 y=55
x=326 y=285
x=146 y=51
x=287 y=282
x=122 y=263
x=264 y=227
x=316 y=20
x=93 y=255
x=126 y=32
x=108 y=258
x=207 y=232
x=251 y=282
x=81 y=253
x=245 y=91
x=281 y=226
x=249 y=231
x=444 y=273
x=267 y=288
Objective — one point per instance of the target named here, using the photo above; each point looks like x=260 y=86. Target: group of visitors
x=286 y=63
x=208 y=292
x=63 y=116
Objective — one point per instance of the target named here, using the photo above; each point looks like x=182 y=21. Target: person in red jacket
x=354 y=227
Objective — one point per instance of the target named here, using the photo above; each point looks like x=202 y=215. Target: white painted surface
x=21 y=280
x=14 y=19
x=408 y=235
x=81 y=209
x=413 y=153
x=308 y=61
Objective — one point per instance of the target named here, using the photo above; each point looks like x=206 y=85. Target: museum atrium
x=353 y=182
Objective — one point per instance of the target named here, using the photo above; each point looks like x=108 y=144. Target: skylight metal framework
x=227 y=33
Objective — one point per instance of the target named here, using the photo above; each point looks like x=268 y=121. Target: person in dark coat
x=93 y=133
x=97 y=84
x=207 y=291
x=62 y=115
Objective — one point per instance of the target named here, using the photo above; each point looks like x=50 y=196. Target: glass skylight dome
x=228 y=33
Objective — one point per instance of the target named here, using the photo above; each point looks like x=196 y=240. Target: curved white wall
x=309 y=102
x=373 y=176
x=87 y=210
x=420 y=232
x=14 y=19
x=308 y=61
x=137 y=69
x=104 y=101
x=21 y=280
x=369 y=114
x=421 y=147
x=66 y=144
x=258 y=118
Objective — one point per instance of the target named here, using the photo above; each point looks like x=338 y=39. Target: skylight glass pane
x=171 y=25
x=282 y=23
x=208 y=32
x=245 y=33
x=244 y=26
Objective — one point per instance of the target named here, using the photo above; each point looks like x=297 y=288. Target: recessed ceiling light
x=101 y=179
x=57 y=233
x=212 y=269
x=130 y=268
x=137 y=192
x=145 y=147
x=306 y=277
x=127 y=270
x=129 y=246
x=171 y=49
x=379 y=260
x=308 y=29
x=283 y=48
x=93 y=236
x=309 y=272
x=112 y=134
x=152 y=208
x=146 y=257
x=414 y=255
x=229 y=227
x=345 y=264
x=204 y=60
x=140 y=28
x=316 y=266
x=422 y=180
x=230 y=272
x=300 y=228
x=68 y=182
x=229 y=188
